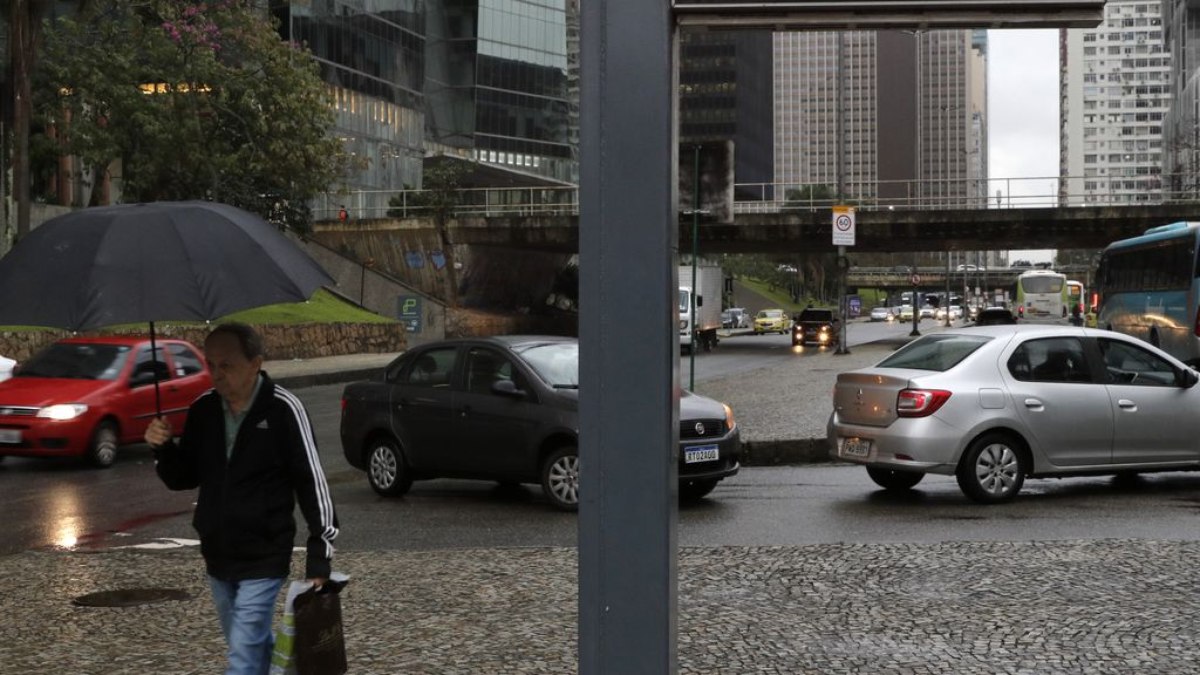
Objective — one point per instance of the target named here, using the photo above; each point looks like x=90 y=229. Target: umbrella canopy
x=164 y=261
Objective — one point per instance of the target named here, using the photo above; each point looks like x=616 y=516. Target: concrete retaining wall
x=303 y=341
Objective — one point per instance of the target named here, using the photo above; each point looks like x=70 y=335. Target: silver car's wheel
x=992 y=470
x=560 y=478
x=386 y=471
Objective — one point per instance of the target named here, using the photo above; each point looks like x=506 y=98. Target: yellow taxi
x=772 y=321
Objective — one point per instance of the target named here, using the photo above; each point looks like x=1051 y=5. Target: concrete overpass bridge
x=546 y=219
x=936 y=277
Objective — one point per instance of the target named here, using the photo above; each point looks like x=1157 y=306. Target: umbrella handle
x=154 y=368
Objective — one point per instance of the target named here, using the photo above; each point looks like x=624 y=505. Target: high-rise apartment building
x=899 y=117
x=1116 y=94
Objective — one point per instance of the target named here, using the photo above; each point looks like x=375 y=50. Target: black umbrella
x=164 y=261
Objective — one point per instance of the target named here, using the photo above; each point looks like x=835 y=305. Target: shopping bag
x=283 y=657
x=318 y=647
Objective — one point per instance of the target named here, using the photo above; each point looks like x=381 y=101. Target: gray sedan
x=504 y=408
x=995 y=405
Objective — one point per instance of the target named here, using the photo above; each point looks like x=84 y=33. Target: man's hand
x=159 y=432
x=317 y=582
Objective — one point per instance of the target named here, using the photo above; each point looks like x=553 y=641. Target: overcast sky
x=1023 y=114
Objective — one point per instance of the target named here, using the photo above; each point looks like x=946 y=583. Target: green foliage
x=197 y=100
x=815 y=196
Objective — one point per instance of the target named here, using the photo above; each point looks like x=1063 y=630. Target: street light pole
x=695 y=252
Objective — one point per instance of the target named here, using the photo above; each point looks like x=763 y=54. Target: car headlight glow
x=63 y=411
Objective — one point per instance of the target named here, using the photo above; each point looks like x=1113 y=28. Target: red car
x=86 y=396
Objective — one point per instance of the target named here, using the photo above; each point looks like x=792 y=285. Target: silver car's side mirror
x=1188 y=378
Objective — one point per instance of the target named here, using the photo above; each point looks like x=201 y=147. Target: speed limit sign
x=843 y=226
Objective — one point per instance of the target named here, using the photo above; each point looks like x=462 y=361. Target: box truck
x=705 y=299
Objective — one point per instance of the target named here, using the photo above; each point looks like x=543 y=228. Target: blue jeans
x=246 y=609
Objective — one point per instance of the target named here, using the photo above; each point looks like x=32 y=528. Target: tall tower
x=1116 y=94
x=894 y=116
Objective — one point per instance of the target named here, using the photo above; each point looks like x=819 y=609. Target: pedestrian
x=248 y=446
x=343 y=214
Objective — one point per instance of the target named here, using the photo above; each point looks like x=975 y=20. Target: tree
x=24 y=18
x=190 y=100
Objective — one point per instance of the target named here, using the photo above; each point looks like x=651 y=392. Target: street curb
x=330 y=377
x=780 y=452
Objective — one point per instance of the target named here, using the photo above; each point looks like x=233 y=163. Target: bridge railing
x=971 y=193
x=360 y=204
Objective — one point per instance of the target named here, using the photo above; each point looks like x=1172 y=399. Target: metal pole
x=842 y=266
x=628 y=370
x=695 y=252
x=948 y=288
x=915 y=307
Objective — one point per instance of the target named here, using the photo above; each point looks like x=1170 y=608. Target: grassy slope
x=779 y=296
x=324 y=307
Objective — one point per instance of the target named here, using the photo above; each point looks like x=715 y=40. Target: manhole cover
x=129 y=597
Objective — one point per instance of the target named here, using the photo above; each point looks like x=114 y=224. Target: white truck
x=707 y=301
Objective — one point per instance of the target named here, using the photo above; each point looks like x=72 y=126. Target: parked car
x=993 y=406
x=505 y=409
x=994 y=316
x=7 y=366
x=882 y=314
x=815 y=326
x=87 y=396
x=772 y=321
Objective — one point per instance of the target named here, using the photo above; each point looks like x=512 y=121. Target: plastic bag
x=309 y=640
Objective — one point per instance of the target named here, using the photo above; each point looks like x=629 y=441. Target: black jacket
x=244 y=509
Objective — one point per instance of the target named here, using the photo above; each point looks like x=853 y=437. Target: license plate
x=10 y=435
x=856 y=447
x=707 y=453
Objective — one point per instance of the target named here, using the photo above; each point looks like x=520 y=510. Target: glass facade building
x=372 y=55
x=498 y=84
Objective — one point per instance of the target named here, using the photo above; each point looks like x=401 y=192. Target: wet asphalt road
x=60 y=504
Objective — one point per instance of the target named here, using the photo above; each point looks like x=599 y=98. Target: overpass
x=936 y=277
x=547 y=219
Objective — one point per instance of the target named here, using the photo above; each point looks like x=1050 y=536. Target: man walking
x=249 y=447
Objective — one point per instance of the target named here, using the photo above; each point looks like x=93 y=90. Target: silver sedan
x=995 y=405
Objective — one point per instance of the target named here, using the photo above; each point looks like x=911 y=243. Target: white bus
x=1042 y=294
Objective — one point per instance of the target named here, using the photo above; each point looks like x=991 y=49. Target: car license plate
x=707 y=453
x=856 y=447
x=10 y=435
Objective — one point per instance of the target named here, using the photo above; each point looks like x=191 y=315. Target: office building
x=374 y=63
x=726 y=93
x=893 y=116
x=497 y=84
x=1116 y=94
x=890 y=118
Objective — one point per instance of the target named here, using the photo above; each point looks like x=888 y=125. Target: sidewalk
x=1114 y=607
x=1107 y=607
